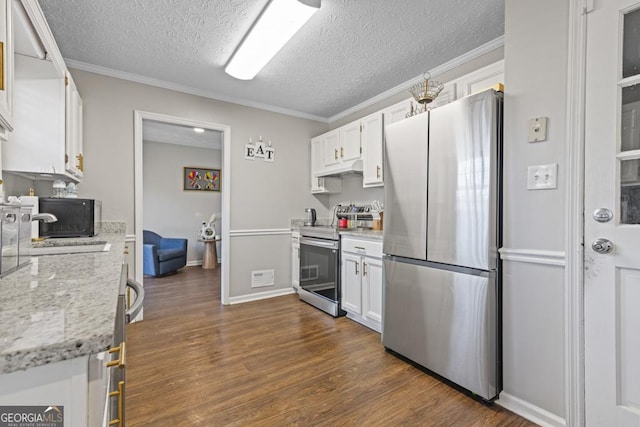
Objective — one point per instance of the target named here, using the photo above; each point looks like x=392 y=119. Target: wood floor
x=276 y=362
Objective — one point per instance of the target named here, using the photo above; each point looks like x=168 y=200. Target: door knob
x=602 y=246
x=602 y=215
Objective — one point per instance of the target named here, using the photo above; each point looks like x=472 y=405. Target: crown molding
x=402 y=87
x=447 y=66
x=123 y=75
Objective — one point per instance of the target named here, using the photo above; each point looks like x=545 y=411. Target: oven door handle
x=318 y=243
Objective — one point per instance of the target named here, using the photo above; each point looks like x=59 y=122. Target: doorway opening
x=180 y=208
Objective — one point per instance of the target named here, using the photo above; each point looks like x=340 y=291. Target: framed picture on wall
x=201 y=179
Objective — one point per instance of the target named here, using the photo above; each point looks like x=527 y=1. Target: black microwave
x=76 y=217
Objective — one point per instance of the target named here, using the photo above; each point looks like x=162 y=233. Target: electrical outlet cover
x=537 y=129
x=542 y=177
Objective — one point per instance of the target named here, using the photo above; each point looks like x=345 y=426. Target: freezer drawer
x=444 y=321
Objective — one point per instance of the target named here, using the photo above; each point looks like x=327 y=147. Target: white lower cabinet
x=78 y=385
x=361 y=261
x=295 y=260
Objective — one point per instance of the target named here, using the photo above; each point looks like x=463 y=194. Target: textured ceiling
x=154 y=131
x=350 y=50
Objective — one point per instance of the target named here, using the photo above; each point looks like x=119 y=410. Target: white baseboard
x=529 y=411
x=194 y=263
x=261 y=295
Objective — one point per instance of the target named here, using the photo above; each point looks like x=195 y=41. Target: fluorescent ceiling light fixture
x=198 y=130
x=275 y=26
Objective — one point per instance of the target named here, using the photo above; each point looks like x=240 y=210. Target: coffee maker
x=309 y=217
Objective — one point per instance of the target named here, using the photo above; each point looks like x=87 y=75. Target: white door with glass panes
x=612 y=189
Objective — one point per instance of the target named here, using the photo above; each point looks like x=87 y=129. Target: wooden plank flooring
x=276 y=362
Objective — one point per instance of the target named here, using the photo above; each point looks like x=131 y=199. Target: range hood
x=343 y=168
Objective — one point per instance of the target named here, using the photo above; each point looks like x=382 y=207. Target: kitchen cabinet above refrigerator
x=6 y=73
x=358 y=147
x=47 y=137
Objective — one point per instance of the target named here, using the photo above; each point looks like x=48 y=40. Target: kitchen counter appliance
x=320 y=269
x=309 y=217
x=76 y=217
x=442 y=306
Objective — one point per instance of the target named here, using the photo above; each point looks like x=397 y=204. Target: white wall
x=168 y=209
x=263 y=195
x=536 y=43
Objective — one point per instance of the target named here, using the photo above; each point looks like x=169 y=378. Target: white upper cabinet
x=6 y=68
x=73 y=121
x=446 y=95
x=350 y=147
x=331 y=143
x=342 y=144
x=359 y=145
x=321 y=185
x=47 y=136
x=372 y=151
x=396 y=112
x=481 y=79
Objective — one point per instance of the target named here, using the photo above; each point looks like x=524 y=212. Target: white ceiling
x=349 y=52
x=169 y=133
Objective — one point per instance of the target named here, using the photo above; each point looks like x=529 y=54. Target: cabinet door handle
x=356 y=265
x=360 y=248
x=80 y=164
x=120 y=362
x=335 y=153
x=377 y=171
x=341 y=152
x=364 y=269
x=120 y=394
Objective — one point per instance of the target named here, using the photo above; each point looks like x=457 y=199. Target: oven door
x=320 y=273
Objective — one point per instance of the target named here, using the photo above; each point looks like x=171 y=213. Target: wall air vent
x=261 y=278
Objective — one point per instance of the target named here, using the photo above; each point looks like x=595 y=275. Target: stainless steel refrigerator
x=442 y=292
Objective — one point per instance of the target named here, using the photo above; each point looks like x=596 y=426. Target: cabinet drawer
x=372 y=248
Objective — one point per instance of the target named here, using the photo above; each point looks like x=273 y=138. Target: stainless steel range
x=320 y=269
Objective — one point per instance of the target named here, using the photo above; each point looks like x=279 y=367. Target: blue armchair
x=162 y=255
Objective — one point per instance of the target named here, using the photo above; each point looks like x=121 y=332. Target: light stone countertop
x=61 y=306
x=351 y=232
x=362 y=232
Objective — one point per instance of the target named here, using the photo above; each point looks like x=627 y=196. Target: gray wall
x=168 y=209
x=352 y=185
x=263 y=195
x=533 y=303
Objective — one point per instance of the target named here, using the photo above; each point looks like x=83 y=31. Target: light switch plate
x=542 y=177
x=537 y=129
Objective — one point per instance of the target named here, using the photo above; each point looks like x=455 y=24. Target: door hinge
x=587 y=6
x=66 y=81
